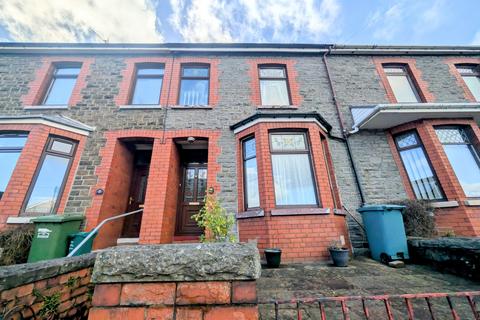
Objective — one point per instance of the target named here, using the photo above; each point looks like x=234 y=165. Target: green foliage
x=72 y=281
x=215 y=220
x=49 y=309
x=418 y=218
x=15 y=244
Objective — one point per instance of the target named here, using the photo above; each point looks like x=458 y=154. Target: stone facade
x=234 y=96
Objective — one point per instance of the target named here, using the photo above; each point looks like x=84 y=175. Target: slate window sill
x=251 y=214
x=472 y=203
x=444 y=204
x=200 y=107
x=284 y=107
x=140 y=107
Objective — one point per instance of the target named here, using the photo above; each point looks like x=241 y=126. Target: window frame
x=148 y=65
x=54 y=76
x=418 y=145
x=308 y=151
x=244 y=173
x=476 y=74
x=285 y=78
x=408 y=74
x=182 y=77
x=471 y=147
x=13 y=149
x=47 y=150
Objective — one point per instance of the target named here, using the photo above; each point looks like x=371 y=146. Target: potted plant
x=273 y=257
x=215 y=220
x=339 y=254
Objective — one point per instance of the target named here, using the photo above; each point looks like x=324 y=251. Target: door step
x=127 y=241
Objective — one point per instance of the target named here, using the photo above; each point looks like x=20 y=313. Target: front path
x=363 y=277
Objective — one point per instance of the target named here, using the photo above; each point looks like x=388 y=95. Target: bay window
x=273 y=85
x=422 y=178
x=462 y=156
x=401 y=83
x=47 y=186
x=194 y=85
x=11 y=145
x=292 y=169
x=471 y=75
x=250 y=173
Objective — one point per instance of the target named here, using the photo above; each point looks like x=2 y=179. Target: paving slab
x=363 y=277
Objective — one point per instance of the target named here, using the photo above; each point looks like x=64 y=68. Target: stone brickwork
x=178 y=281
x=60 y=286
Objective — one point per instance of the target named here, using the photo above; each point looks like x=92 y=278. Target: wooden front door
x=192 y=194
x=132 y=223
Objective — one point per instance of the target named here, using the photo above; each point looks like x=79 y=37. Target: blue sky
x=414 y=22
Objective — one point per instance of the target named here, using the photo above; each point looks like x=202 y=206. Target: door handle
x=194 y=203
x=141 y=206
x=130 y=200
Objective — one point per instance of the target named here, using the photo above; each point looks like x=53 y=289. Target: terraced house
x=289 y=137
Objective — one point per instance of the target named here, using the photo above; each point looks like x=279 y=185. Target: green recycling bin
x=50 y=238
x=76 y=238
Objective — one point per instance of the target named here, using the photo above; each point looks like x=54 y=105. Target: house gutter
x=345 y=133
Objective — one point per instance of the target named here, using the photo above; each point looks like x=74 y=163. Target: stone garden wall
x=460 y=256
x=179 y=281
x=53 y=289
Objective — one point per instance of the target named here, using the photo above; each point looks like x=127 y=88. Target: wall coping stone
x=177 y=263
x=447 y=243
x=20 y=274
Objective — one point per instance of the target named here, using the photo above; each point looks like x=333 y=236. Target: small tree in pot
x=339 y=254
x=215 y=220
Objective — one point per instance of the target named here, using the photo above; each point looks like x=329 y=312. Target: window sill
x=139 y=106
x=300 y=211
x=250 y=214
x=472 y=203
x=19 y=220
x=42 y=107
x=180 y=107
x=444 y=204
x=283 y=107
x=339 y=212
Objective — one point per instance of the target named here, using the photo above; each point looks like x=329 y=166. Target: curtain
x=274 y=92
x=293 y=179
x=420 y=174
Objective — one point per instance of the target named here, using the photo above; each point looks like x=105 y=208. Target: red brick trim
x=462 y=220
x=295 y=97
x=39 y=85
x=20 y=181
x=171 y=78
x=128 y=78
x=415 y=75
x=160 y=202
x=452 y=62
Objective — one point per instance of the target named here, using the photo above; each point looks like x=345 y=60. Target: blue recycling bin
x=385 y=232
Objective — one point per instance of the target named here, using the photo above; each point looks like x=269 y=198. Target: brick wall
x=212 y=300
x=24 y=290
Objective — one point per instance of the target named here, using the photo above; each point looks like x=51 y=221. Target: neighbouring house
x=286 y=136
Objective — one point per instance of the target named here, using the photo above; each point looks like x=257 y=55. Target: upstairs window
x=148 y=84
x=274 y=85
x=292 y=169
x=194 y=85
x=422 y=178
x=49 y=181
x=11 y=146
x=401 y=83
x=250 y=173
x=471 y=75
x=62 y=84
x=462 y=156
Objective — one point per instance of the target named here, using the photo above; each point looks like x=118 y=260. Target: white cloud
x=253 y=20
x=476 y=39
x=74 y=21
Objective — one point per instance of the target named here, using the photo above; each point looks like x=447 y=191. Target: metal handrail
x=94 y=231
